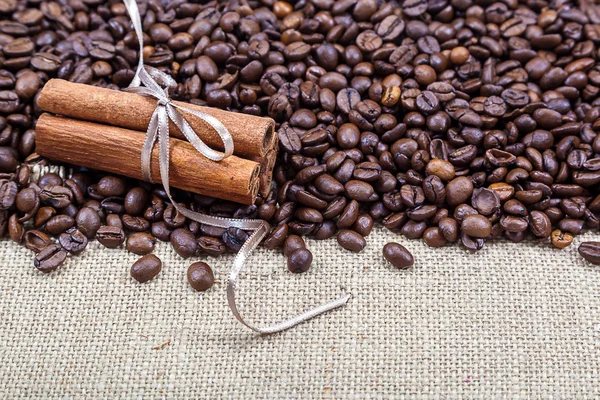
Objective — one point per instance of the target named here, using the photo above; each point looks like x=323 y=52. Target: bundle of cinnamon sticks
x=105 y=129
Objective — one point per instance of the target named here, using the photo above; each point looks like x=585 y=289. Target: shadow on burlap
x=512 y=321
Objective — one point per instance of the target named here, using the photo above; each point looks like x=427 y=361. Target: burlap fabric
x=510 y=322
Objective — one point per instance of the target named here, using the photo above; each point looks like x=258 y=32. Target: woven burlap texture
x=514 y=321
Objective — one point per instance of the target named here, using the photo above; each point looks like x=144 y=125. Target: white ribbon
x=156 y=84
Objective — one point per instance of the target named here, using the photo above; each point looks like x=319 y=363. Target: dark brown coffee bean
x=590 y=251
x=146 y=268
x=351 y=240
x=73 y=241
x=540 y=224
x=15 y=229
x=50 y=258
x=8 y=194
x=110 y=236
x=140 y=243
x=211 y=246
x=434 y=237
x=449 y=229
x=88 y=222
x=292 y=243
x=458 y=190
x=476 y=226
x=234 y=238
x=276 y=237
x=200 y=276
x=183 y=242
x=36 y=240
x=398 y=255
x=359 y=190
x=299 y=260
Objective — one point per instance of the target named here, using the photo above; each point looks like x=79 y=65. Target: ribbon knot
x=156 y=85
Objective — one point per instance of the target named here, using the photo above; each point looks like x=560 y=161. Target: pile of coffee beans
x=446 y=120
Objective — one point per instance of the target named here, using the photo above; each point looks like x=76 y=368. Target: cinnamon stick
x=118 y=150
x=252 y=136
x=265 y=176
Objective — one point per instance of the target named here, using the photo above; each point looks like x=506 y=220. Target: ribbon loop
x=156 y=85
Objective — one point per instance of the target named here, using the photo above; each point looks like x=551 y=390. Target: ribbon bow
x=156 y=85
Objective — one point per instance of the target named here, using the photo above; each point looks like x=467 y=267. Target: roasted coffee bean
x=458 y=190
x=50 y=258
x=110 y=236
x=111 y=186
x=135 y=224
x=8 y=194
x=73 y=241
x=476 y=226
x=183 y=242
x=590 y=251
x=561 y=239
x=88 y=222
x=351 y=240
x=276 y=237
x=146 y=268
x=200 y=276
x=211 y=246
x=434 y=237
x=15 y=229
x=234 y=238
x=293 y=243
x=135 y=201
x=56 y=196
x=140 y=243
x=398 y=255
x=36 y=240
x=299 y=260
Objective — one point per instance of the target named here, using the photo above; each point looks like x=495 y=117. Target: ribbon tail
x=238 y=265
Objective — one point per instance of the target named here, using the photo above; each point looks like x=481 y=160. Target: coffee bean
x=211 y=246
x=50 y=258
x=476 y=226
x=590 y=251
x=458 y=190
x=291 y=244
x=561 y=239
x=36 y=240
x=184 y=242
x=73 y=241
x=110 y=236
x=200 y=276
x=398 y=255
x=8 y=194
x=351 y=240
x=299 y=261
x=146 y=268
x=88 y=222
x=140 y=243
x=234 y=238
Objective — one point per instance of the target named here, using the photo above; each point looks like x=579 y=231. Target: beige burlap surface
x=510 y=322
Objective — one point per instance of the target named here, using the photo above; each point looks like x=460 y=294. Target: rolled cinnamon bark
x=118 y=150
x=252 y=136
x=265 y=176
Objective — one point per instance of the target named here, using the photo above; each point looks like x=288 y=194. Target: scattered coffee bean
x=140 y=243
x=200 y=276
x=50 y=258
x=110 y=236
x=299 y=261
x=146 y=268
x=590 y=251
x=398 y=255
